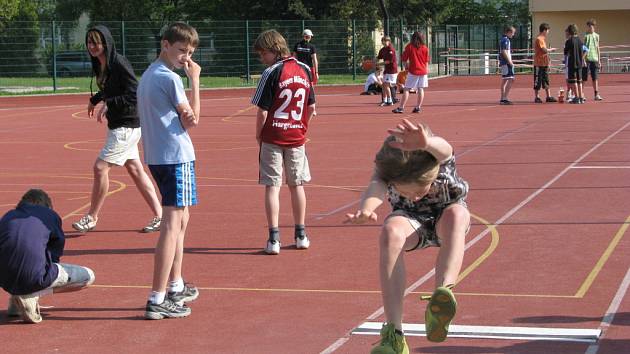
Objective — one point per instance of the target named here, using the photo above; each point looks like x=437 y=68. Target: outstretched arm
x=371 y=199
x=414 y=137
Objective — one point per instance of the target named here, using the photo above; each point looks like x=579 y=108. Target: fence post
x=354 y=50
x=248 y=68
x=122 y=38
x=469 y=46
x=483 y=43
x=400 y=48
x=303 y=27
x=54 y=58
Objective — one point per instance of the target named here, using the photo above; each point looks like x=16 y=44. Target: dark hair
x=417 y=39
x=572 y=29
x=543 y=27
x=398 y=166
x=591 y=22
x=507 y=29
x=36 y=197
x=181 y=32
x=97 y=37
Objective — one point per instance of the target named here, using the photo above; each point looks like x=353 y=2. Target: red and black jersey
x=285 y=91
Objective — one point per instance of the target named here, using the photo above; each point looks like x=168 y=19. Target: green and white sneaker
x=392 y=341
x=439 y=313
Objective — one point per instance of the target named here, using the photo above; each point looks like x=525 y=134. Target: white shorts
x=416 y=81
x=391 y=78
x=121 y=145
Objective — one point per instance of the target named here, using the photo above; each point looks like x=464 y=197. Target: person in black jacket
x=117 y=85
x=31 y=245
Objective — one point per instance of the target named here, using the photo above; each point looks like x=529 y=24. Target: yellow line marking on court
x=29 y=113
x=493 y=245
x=121 y=186
x=602 y=260
x=228 y=118
x=70 y=147
x=75 y=116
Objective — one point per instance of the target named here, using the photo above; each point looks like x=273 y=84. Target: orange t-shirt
x=540 y=57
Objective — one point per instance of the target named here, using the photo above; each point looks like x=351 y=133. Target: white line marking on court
x=482 y=234
x=581 y=335
x=321 y=216
x=599 y=167
x=612 y=310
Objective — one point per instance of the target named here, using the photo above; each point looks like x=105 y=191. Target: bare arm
x=414 y=137
x=315 y=65
x=261 y=118
x=189 y=112
x=371 y=199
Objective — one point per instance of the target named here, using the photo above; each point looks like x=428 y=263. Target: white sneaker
x=85 y=224
x=598 y=98
x=29 y=307
x=302 y=243
x=273 y=247
x=154 y=225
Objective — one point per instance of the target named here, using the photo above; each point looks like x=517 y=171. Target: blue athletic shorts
x=176 y=183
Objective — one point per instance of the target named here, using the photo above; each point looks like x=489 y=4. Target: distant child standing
x=388 y=56
x=416 y=171
x=166 y=115
x=117 y=90
x=416 y=54
x=541 y=64
x=306 y=52
x=574 y=61
x=506 y=64
x=593 y=57
x=31 y=246
x=286 y=102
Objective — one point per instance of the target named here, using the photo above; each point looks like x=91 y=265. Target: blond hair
x=398 y=166
x=181 y=32
x=272 y=41
x=101 y=73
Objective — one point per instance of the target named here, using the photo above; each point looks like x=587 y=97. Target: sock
x=176 y=285
x=274 y=234
x=596 y=93
x=299 y=231
x=157 y=297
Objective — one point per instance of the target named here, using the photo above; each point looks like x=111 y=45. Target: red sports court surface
x=548 y=246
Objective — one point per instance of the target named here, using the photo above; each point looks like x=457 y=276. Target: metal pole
x=354 y=50
x=402 y=34
x=122 y=37
x=54 y=55
x=248 y=69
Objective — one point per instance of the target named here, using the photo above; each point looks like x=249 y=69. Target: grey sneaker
x=190 y=293
x=167 y=309
x=154 y=225
x=598 y=98
x=85 y=224
x=29 y=308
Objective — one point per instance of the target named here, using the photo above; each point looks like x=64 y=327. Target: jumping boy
x=286 y=102
x=416 y=171
x=541 y=64
x=506 y=64
x=166 y=115
x=593 y=57
x=31 y=245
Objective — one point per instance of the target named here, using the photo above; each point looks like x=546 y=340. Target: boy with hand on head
x=166 y=115
x=416 y=171
x=286 y=102
x=593 y=57
x=506 y=64
x=31 y=245
x=541 y=64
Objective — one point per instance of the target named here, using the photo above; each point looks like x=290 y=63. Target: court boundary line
x=341 y=341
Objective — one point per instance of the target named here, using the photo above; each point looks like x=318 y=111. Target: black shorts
x=541 y=77
x=574 y=76
x=592 y=67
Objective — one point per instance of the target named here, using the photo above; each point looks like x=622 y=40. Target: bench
x=253 y=77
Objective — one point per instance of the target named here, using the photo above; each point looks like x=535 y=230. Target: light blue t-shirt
x=164 y=139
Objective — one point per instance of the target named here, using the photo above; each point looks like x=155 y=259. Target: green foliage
x=18 y=41
x=9 y=10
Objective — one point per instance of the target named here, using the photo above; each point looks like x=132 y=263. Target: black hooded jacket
x=119 y=89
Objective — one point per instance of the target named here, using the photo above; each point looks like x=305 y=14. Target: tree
x=9 y=10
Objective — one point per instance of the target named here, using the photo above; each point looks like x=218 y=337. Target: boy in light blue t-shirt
x=165 y=116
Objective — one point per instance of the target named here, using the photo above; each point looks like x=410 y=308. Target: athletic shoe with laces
x=153 y=225
x=302 y=242
x=398 y=110
x=391 y=342
x=537 y=100
x=167 y=309
x=85 y=224
x=439 y=313
x=28 y=307
x=505 y=102
x=416 y=110
x=598 y=98
x=190 y=293
x=273 y=247
x=12 y=309
x=551 y=99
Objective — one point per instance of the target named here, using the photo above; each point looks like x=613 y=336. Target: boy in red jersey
x=417 y=54
x=281 y=123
